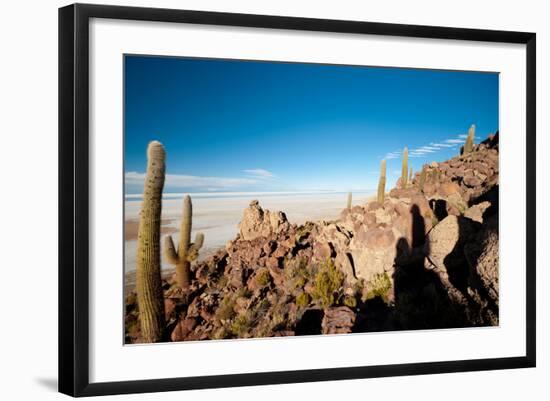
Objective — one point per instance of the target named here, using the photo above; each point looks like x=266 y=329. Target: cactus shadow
x=439 y=208
x=421 y=301
x=310 y=323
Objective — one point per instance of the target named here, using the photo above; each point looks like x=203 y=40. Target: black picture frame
x=74 y=198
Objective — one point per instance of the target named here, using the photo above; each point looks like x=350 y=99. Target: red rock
x=169 y=307
x=269 y=247
x=448 y=188
x=207 y=314
x=429 y=188
x=183 y=328
x=321 y=250
x=277 y=275
x=472 y=181
x=379 y=238
x=281 y=251
x=272 y=262
x=284 y=333
x=374 y=205
x=338 y=320
x=422 y=204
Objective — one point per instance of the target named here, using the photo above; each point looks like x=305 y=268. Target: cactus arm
x=170 y=253
x=185 y=227
x=193 y=252
x=349 y=200
x=148 y=279
x=199 y=241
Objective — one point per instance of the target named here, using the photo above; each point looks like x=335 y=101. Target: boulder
x=483 y=258
x=472 y=181
x=277 y=274
x=373 y=251
x=456 y=205
x=343 y=261
x=448 y=188
x=321 y=250
x=183 y=329
x=382 y=216
x=444 y=242
x=475 y=212
x=335 y=235
x=257 y=222
x=338 y=320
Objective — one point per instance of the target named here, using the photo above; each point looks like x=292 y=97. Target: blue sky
x=231 y=125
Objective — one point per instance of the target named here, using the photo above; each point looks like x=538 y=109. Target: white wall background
x=28 y=201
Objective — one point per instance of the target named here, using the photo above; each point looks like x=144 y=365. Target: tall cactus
x=349 y=200
x=469 y=145
x=382 y=182
x=404 y=167
x=148 y=279
x=187 y=251
x=422 y=178
x=410 y=175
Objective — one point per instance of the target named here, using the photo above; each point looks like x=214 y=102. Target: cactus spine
x=469 y=145
x=148 y=279
x=349 y=200
x=187 y=251
x=404 y=167
x=382 y=182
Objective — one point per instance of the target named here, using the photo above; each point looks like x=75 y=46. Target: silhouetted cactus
x=187 y=252
x=469 y=145
x=148 y=279
x=349 y=200
x=404 y=167
x=382 y=182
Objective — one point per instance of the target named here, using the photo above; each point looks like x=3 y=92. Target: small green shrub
x=296 y=274
x=379 y=286
x=327 y=285
x=220 y=333
x=299 y=282
x=242 y=324
x=243 y=292
x=303 y=300
x=223 y=280
x=225 y=309
x=350 y=301
x=263 y=278
x=279 y=314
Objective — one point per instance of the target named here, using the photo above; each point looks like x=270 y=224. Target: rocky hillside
x=427 y=257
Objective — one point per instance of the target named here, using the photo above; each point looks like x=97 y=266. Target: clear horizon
x=232 y=126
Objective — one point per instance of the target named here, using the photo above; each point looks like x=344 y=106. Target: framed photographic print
x=249 y=199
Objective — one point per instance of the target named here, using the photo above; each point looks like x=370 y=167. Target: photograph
x=273 y=199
